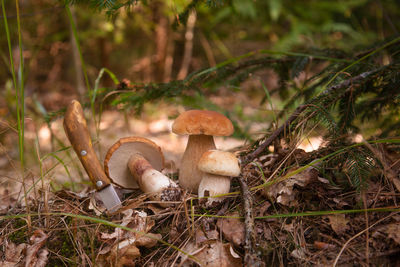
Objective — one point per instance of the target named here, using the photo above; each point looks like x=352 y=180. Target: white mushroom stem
x=212 y=185
x=189 y=175
x=150 y=180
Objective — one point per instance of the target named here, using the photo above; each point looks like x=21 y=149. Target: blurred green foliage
x=291 y=49
x=124 y=41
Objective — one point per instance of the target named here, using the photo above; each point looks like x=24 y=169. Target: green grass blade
x=20 y=125
x=308 y=213
x=21 y=94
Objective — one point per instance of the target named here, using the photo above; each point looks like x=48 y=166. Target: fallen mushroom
x=142 y=159
x=201 y=126
x=218 y=167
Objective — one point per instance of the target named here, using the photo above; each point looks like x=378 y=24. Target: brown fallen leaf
x=13 y=254
x=284 y=192
x=121 y=248
x=232 y=229
x=299 y=254
x=123 y=254
x=338 y=223
x=393 y=231
x=136 y=220
x=36 y=256
x=6 y=201
x=211 y=254
x=149 y=240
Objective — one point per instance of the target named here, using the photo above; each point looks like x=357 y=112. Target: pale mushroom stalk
x=217 y=168
x=213 y=185
x=189 y=174
x=149 y=179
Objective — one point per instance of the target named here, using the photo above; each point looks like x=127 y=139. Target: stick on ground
x=250 y=258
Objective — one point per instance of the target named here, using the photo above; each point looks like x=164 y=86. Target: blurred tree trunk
x=188 y=50
x=161 y=40
x=79 y=81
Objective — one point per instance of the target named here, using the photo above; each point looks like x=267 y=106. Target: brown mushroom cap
x=118 y=155
x=219 y=163
x=194 y=122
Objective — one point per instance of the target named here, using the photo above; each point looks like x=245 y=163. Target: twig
x=298 y=111
x=250 y=257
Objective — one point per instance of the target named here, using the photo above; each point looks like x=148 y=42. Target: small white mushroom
x=218 y=167
x=136 y=161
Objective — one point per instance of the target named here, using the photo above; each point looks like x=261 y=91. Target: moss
x=61 y=244
x=20 y=235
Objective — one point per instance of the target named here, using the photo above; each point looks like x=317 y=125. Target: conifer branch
x=251 y=156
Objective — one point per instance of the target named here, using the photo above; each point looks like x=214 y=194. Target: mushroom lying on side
x=201 y=126
x=137 y=161
x=218 y=167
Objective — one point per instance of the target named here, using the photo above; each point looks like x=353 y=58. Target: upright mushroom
x=201 y=126
x=218 y=167
x=134 y=161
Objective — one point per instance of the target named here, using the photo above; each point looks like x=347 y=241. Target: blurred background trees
x=160 y=41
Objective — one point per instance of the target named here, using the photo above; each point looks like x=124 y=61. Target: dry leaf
x=123 y=254
x=35 y=255
x=338 y=223
x=6 y=201
x=42 y=258
x=289 y=227
x=283 y=192
x=149 y=240
x=212 y=254
x=200 y=236
x=212 y=234
x=232 y=229
x=136 y=220
x=393 y=232
x=298 y=254
x=98 y=210
x=13 y=254
x=125 y=250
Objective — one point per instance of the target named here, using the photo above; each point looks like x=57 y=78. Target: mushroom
x=201 y=126
x=218 y=167
x=141 y=158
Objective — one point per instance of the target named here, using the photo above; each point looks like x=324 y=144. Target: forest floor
x=304 y=219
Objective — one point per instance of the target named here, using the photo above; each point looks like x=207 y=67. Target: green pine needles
x=342 y=102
